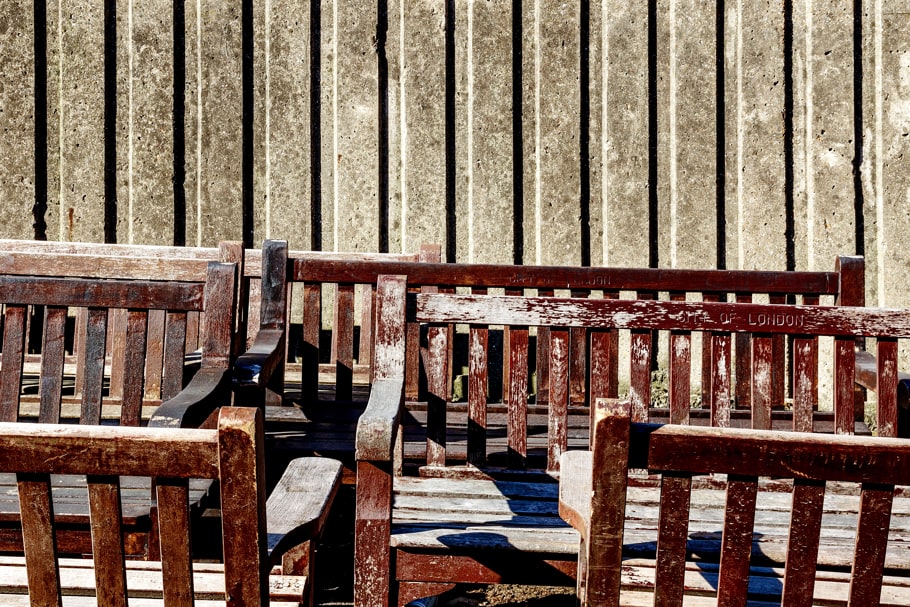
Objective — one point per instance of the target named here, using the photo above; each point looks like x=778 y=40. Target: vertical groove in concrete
x=878 y=17
x=17 y=115
x=80 y=32
x=625 y=137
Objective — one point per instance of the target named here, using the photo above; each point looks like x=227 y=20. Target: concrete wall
x=672 y=133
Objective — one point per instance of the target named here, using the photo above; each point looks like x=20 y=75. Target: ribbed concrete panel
x=558 y=105
x=76 y=98
x=824 y=125
x=17 y=115
x=489 y=160
x=145 y=114
x=215 y=104
x=893 y=151
x=421 y=123
x=356 y=123
x=283 y=199
x=625 y=134
x=756 y=175
x=687 y=127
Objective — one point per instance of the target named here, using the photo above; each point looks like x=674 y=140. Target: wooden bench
x=595 y=489
x=232 y=454
x=481 y=507
x=49 y=304
x=316 y=387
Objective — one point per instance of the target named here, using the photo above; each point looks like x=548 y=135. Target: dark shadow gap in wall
x=179 y=124
x=315 y=243
x=789 y=183
x=859 y=197
x=518 y=187
x=39 y=209
x=720 y=157
x=584 y=139
x=248 y=156
x=653 y=221
x=110 y=121
x=451 y=248
x=382 y=29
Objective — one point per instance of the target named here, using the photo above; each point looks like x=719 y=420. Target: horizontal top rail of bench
x=675 y=315
x=565 y=277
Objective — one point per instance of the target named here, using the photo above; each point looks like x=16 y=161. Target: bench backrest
x=232 y=454
x=129 y=343
x=678 y=453
x=552 y=426
x=297 y=286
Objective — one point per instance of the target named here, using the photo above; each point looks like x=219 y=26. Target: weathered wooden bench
x=596 y=497
x=481 y=507
x=50 y=304
x=316 y=387
x=232 y=454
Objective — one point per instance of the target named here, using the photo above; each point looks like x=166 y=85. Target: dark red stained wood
x=560 y=345
x=241 y=458
x=844 y=368
x=518 y=397
x=174 y=517
x=116 y=348
x=193 y=337
x=707 y=345
x=762 y=380
x=543 y=357
x=778 y=361
x=343 y=341
x=568 y=277
x=852 y=281
x=653 y=315
x=478 y=348
x=154 y=354
x=93 y=365
x=578 y=340
x=14 y=323
x=75 y=292
x=673 y=530
x=805 y=382
x=603 y=548
x=680 y=371
x=52 y=355
x=739 y=520
x=887 y=383
x=720 y=380
x=107 y=544
x=436 y=364
x=133 y=368
x=603 y=363
x=802 y=546
x=365 y=344
x=871 y=544
x=309 y=352
x=38 y=538
x=640 y=376
x=372 y=528
x=174 y=346
x=742 y=348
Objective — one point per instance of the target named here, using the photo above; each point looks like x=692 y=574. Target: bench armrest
x=255 y=368
x=209 y=389
x=866 y=375
x=298 y=506
x=379 y=423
